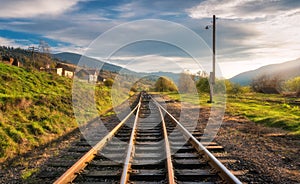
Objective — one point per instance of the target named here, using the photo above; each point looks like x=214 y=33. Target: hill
x=36 y=107
x=285 y=70
x=26 y=58
x=88 y=62
x=93 y=63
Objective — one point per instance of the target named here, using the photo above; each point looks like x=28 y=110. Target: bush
x=293 y=85
x=203 y=85
x=186 y=82
x=163 y=84
x=233 y=88
x=267 y=84
x=108 y=82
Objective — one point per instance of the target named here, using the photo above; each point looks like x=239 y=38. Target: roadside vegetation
x=275 y=110
x=36 y=107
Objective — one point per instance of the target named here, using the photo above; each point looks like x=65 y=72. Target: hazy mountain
x=173 y=76
x=285 y=70
x=88 y=62
x=93 y=63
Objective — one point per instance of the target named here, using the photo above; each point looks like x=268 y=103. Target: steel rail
x=71 y=173
x=223 y=171
x=171 y=178
x=130 y=149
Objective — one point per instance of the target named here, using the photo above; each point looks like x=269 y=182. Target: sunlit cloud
x=250 y=33
x=32 y=8
x=273 y=28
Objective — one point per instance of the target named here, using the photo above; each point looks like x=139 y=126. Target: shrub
x=293 y=85
x=267 y=84
x=164 y=84
x=203 y=85
x=108 y=82
x=233 y=88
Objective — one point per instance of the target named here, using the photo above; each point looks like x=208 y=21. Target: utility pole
x=214 y=49
x=212 y=74
x=32 y=50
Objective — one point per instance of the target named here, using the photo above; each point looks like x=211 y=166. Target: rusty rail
x=70 y=174
x=130 y=149
x=170 y=170
x=223 y=171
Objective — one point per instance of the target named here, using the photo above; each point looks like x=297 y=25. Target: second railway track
x=148 y=146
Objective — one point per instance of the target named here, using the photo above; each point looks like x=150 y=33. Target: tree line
x=188 y=83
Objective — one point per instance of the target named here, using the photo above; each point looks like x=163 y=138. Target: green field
x=36 y=107
x=269 y=110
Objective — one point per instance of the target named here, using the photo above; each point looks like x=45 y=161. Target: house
x=58 y=71
x=11 y=61
x=91 y=75
x=68 y=73
x=67 y=69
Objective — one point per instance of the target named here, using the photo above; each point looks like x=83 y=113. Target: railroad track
x=148 y=146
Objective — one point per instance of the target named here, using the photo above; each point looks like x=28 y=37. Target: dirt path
x=268 y=154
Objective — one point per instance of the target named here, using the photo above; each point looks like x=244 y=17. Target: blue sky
x=250 y=33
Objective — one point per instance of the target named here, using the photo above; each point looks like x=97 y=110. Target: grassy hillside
x=35 y=107
x=269 y=110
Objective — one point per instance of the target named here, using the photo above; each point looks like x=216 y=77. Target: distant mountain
x=93 y=63
x=89 y=62
x=173 y=76
x=285 y=70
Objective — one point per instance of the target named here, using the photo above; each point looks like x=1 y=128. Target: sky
x=250 y=33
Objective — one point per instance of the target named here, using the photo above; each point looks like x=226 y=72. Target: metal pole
x=214 y=49
x=213 y=73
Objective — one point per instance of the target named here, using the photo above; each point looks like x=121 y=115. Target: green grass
x=269 y=110
x=36 y=107
x=190 y=98
x=27 y=173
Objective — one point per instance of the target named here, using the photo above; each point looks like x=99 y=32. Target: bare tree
x=187 y=82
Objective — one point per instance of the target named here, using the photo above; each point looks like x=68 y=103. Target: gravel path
x=268 y=155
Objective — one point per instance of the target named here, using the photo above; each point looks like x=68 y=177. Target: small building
x=58 y=71
x=91 y=75
x=66 y=70
x=68 y=73
x=11 y=61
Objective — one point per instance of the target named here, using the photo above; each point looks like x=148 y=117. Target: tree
x=293 y=85
x=108 y=82
x=163 y=84
x=233 y=88
x=266 y=84
x=203 y=85
x=186 y=82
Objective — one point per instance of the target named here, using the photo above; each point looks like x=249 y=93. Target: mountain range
x=285 y=70
x=73 y=58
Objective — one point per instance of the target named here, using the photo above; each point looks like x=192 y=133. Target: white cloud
x=155 y=63
x=33 y=8
x=5 y=41
x=275 y=26
x=10 y=43
x=236 y=9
